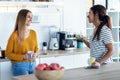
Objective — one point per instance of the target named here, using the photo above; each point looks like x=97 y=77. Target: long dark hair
x=104 y=19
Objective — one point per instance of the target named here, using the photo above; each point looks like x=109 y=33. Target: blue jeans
x=23 y=68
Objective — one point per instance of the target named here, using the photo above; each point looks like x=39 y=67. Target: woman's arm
x=108 y=54
x=10 y=48
x=86 y=42
x=81 y=38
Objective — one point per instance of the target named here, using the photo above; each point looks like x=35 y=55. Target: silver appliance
x=53 y=43
x=67 y=40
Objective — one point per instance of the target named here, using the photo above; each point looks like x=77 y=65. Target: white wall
x=44 y=19
x=75 y=15
x=7 y=22
x=74 y=21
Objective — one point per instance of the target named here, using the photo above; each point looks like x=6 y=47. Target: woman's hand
x=96 y=64
x=80 y=38
x=30 y=56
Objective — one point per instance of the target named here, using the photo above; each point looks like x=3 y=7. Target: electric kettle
x=53 y=44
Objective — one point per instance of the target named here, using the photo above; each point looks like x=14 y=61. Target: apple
x=46 y=65
x=40 y=67
x=52 y=66
x=47 y=68
x=61 y=67
x=55 y=66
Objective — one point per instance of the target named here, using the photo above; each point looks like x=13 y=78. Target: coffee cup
x=30 y=54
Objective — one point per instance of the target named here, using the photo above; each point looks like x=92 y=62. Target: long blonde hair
x=20 y=24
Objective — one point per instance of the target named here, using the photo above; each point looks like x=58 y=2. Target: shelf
x=90 y=28
x=115 y=27
x=35 y=7
x=114 y=17
x=6 y=3
x=113 y=11
x=115 y=31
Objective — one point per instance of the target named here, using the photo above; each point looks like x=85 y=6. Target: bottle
x=44 y=48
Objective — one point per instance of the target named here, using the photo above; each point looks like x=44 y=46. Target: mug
x=79 y=44
x=30 y=54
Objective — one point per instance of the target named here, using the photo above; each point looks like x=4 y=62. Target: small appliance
x=67 y=40
x=53 y=43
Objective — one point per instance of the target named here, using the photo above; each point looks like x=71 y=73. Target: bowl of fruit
x=52 y=71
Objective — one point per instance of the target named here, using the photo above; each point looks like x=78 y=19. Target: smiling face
x=28 y=19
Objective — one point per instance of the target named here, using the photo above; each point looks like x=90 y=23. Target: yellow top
x=15 y=51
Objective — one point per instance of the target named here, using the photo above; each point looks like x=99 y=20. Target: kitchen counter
x=51 y=53
x=106 y=72
x=4 y=60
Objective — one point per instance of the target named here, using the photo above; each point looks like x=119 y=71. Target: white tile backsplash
x=41 y=26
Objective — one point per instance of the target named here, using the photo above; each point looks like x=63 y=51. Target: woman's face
x=91 y=16
x=28 y=19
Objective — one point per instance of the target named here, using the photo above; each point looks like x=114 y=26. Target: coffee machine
x=67 y=40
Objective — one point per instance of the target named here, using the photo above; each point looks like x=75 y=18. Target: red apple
x=55 y=66
x=52 y=66
x=47 y=68
x=61 y=67
x=46 y=65
x=40 y=67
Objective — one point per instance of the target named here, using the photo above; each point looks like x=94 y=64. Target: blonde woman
x=22 y=46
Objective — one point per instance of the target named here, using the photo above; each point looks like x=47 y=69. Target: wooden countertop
x=55 y=53
x=51 y=53
x=106 y=72
x=4 y=60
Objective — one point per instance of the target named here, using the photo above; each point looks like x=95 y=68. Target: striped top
x=98 y=48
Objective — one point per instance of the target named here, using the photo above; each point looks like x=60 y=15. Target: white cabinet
x=81 y=60
x=6 y=70
x=37 y=61
x=65 y=61
x=68 y=61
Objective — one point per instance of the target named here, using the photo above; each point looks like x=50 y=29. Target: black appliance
x=67 y=40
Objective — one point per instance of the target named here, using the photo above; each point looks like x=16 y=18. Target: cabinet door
x=6 y=70
x=47 y=60
x=65 y=61
x=37 y=61
x=81 y=60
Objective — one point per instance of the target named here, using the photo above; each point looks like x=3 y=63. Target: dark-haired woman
x=101 y=40
x=22 y=47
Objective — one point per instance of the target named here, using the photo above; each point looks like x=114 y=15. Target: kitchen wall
x=43 y=19
x=7 y=21
x=75 y=15
x=71 y=17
